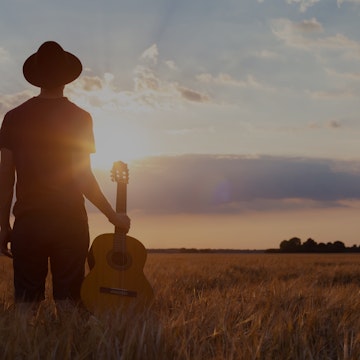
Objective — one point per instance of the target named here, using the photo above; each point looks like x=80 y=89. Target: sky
x=239 y=120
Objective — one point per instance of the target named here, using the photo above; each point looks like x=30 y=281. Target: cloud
x=267 y=54
x=226 y=80
x=235 y=184
x=192 y=130
x=354 y=76
x=171 y=65
x=333 y=94
x=309 y=26
x=303 y=4
x=334 y=124
x=220 y=79
x=289 y=32
x=4 y=55
x=340 y=2
x=151 y=54
x=90 y=83
x=192 y=95
x=304 y=35
x=145 y=79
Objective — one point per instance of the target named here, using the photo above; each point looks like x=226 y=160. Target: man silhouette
x=45 y=145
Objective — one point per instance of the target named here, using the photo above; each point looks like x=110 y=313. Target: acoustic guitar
x=116 y=279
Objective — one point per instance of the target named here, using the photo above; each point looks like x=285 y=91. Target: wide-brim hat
x=51 y=66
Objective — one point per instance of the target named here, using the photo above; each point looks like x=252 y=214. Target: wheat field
x=207 y=306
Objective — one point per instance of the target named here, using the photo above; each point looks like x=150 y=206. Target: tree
x=291 y=245
x=339 y=246
x=310 y=245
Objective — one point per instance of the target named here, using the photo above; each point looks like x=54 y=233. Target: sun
x=117 y=140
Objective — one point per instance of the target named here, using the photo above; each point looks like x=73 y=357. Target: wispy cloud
x=151 y=55
x=296 y=34
x=355 y=76
x=267 y=54
x=309 y=26
x=340 y=2
x=333 y=94
x=306 y=35
x=4 y=55
x=303 y=4
x=226 y=80
x=171 y=65
x=334 y=124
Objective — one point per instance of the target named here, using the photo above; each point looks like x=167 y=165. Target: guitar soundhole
x=119 y=260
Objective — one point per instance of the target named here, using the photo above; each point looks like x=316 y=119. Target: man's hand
x=4 y=241
x=121 y=220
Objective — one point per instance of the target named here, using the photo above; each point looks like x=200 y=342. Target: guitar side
x=110 y=287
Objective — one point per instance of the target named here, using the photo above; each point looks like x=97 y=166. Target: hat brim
x=70 y=69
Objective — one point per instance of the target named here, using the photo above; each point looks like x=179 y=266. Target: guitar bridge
x=118 y=291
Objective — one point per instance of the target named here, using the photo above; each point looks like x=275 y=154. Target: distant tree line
x=294 y=245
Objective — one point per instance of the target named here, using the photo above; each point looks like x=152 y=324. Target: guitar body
x=116 y=279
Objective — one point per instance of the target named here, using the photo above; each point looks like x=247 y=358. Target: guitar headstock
x=120 y=172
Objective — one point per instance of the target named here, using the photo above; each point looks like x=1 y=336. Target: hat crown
x=50 y=54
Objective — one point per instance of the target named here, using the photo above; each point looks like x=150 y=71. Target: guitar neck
x=121 y=196
x=121 y=176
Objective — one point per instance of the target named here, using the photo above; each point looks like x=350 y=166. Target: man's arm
x=7 y=180
x=91 y=190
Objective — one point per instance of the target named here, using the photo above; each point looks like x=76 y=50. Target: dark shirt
x=42 y=135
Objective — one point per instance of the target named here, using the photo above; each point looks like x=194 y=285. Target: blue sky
x=274 y=81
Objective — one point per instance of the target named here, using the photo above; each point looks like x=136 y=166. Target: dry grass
x=208 y=306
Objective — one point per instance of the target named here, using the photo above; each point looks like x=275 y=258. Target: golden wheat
x=208 y=306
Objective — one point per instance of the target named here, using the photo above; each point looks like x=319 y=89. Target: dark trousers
x=38 y=238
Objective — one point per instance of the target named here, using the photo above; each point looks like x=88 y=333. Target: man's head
x=51 y=66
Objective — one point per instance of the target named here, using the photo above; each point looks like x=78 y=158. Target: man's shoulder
x=77 y=109
x=20 y=107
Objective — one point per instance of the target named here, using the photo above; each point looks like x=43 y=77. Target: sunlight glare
x=117 y=139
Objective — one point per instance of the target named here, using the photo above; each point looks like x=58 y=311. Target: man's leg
x=30 y=261
x=67 y=260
